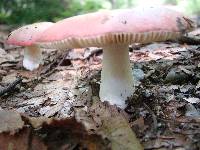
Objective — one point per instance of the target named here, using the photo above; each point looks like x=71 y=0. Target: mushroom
x=114 y=30
x=26 y=36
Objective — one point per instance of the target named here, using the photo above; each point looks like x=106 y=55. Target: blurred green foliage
x=29 y=11
x=189 y=6
x=76 y=7
x=193 y=6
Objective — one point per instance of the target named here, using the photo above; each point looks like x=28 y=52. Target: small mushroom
x=113 y=31
x=26 y=36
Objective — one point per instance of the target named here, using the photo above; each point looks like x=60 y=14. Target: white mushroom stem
x=32 y=57
x=116 y=75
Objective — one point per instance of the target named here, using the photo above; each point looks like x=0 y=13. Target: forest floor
x=57 y=105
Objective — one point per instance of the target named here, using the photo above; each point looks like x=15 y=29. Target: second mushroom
x=26 y=36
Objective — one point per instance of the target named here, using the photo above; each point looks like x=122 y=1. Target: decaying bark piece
x=45 y=133
x=110 y=122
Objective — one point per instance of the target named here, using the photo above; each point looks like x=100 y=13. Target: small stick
x=11 y=86
x=190 y=39
x=155 y=123
x=63 y=58
x=12 y=48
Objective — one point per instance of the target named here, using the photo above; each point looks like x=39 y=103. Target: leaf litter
x=57 y=106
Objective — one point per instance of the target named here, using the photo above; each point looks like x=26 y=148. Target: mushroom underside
x=110 y=39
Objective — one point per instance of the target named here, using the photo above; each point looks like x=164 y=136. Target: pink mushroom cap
x=27 y=35
x=142 y=24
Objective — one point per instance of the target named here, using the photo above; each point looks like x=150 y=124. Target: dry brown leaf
x=52 y=134
x=192 y=100
x=115 y=127
x=67 y=132
x=48 y=99
x=22 y=140
x=37 y=122
x=5 y=57
x=10 y=121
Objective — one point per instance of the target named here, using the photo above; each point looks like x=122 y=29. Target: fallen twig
x=92 y=52
x=190 y=39
x=12 y=48
x=155 y=123
x=11 y=86
x=63 y=58
x=1 y=42
x=52 y=66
